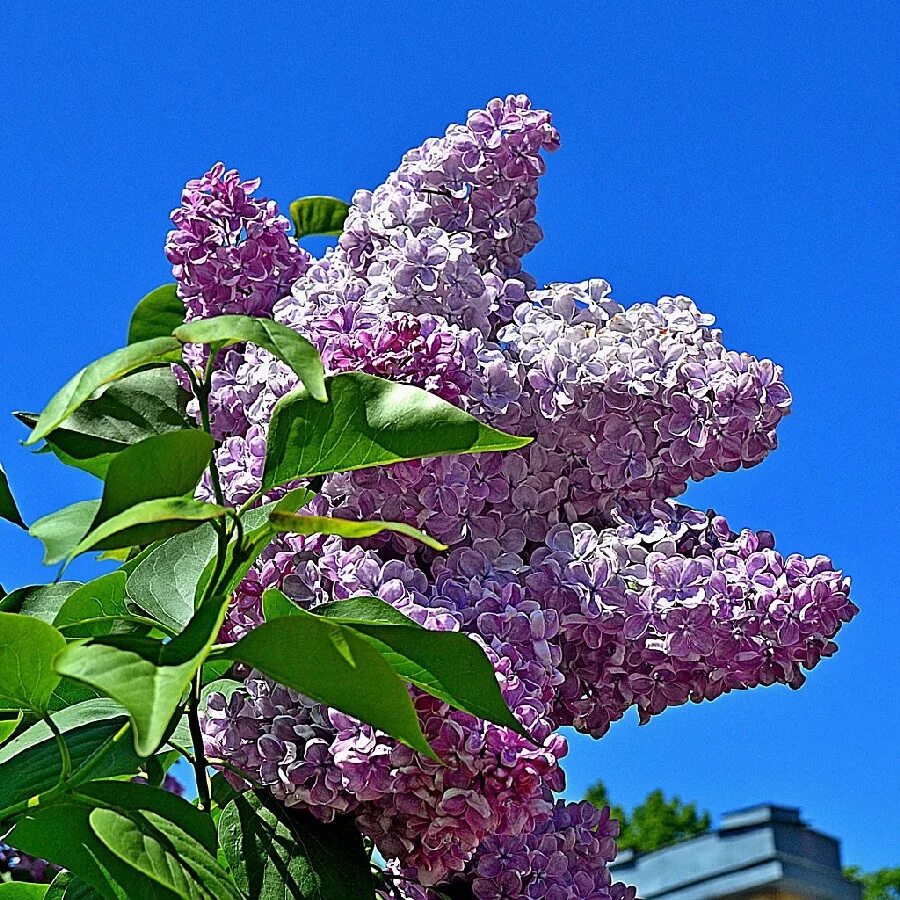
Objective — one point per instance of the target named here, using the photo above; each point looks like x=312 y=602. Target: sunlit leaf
x=164 y=583
x=349 y=528
x=278 y=339
x=446 y=664
x=152 y=520
x=337 y=667
x=28 y=647
x=95 y=608
x=43 y=601
x=369 y=421
x=156 y=315
x=102 y=372
x=21 y=890
x=61 y=531
x=164 y=465
x=149 y=678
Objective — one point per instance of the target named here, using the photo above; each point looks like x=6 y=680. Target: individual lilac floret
x=230 y=251
x=566 y=856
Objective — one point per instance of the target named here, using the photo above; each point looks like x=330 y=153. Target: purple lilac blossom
x=589 y=590
x=230 y=251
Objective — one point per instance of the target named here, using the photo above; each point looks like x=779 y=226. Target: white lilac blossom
x=588 y=588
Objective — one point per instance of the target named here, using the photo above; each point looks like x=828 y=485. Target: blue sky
x=744 y=154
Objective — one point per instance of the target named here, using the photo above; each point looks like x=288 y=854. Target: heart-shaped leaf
x=28 y=647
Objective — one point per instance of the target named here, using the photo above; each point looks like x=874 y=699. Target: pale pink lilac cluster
x=589 y=589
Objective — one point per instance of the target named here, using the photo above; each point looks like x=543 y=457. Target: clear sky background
x=742 y=153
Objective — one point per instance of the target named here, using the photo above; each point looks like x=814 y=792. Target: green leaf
x=162 y=852
x=157 y=315
x=239 y=557
x=99 y=604
x=128 y=796
x=337 y=667
x=10 y=720
x=146 y=522
x=127 y=411
x=149 y=678
x=66 y=887
x=62 y=530
x=31 y=763
x=164 y=465
x=102 y=372
x=8 y=508
x=295 y=855
x=62 y=833
x=163 y=584
x=446 y=664
x=27 y=649
x=168 y=579
x=348 y=528
x=318 y=215
x=278 y=339
x=21 y=890
x=42 y=601
x=369 y=421
x=68 y=693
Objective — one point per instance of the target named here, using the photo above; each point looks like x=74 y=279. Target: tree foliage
x=655 y=822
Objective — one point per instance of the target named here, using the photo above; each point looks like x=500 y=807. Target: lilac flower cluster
x=640 y=400
x=672 y=605
x=564 y=857
x=230 y=252
x=590 y=591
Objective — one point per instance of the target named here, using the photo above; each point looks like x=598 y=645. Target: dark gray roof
x=760 y=848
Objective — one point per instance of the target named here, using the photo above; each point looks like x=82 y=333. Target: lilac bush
x=591 y=590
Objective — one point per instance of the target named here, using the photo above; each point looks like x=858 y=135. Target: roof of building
x=760 y=848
